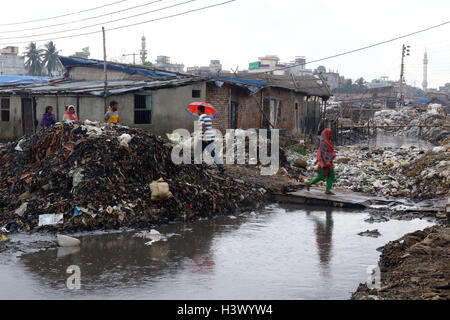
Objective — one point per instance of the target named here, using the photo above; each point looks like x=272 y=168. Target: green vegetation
x=299 y=150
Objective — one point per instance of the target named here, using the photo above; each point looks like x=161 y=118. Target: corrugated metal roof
x=309 y=85
x=96 y=87
x=249 y=82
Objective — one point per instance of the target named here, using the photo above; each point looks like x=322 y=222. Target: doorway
x=28 y=116
x=234 y=115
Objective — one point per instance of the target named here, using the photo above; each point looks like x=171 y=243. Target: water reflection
x=108 y=259
x=324 y=232
x=284 y=252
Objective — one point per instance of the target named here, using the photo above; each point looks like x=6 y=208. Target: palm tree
x=50 y=55
x=33 y=63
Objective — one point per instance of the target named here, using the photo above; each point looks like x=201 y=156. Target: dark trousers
x=213 y=152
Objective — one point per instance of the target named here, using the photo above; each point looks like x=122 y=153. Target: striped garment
x=209 y=134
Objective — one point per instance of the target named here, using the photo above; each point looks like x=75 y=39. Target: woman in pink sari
x=70 y=115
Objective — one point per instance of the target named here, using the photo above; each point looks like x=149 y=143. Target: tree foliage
x=349 y=86
x=39 y=58
x=34 y=59
x=50 y=57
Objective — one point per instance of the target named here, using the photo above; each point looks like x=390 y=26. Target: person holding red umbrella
x=325 y=157
x=207 y=134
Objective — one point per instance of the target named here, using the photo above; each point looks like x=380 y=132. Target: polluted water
x=280 y=252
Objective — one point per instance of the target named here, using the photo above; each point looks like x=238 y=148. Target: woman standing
x=325 y=157
x=48 y=118
x=70 y=114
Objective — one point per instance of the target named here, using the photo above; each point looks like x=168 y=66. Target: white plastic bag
x=125 y=139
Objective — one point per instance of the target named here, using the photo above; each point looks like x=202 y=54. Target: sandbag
x=160 y=190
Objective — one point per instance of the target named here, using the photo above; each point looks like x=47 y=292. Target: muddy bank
x=415 y=267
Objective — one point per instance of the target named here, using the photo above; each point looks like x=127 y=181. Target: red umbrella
x=192 y=109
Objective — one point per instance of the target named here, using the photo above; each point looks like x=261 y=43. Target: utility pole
x=105 y=93
x=405 y=52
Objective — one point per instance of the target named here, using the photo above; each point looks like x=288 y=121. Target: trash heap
x=433 y=117
x=77 y=177
x=394 y=117
x=406 y=171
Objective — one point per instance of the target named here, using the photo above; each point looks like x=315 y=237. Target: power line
x=359 y=49
x=77 y=21
x=125 y=26
x=100 y=23
x=63 y=15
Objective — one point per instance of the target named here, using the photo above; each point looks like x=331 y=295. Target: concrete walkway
x=350 y=199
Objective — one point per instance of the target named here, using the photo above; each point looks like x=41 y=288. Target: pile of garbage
x=412 y=120
x=406 y=171
x=78 y=176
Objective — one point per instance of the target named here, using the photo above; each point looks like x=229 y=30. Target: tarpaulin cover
x=77 y=62
x=7 y=80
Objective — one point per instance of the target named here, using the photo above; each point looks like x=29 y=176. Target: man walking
x=207 y=135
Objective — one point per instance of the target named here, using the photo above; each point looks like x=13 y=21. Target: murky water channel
x=280 y=253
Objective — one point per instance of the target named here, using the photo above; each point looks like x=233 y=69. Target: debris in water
x=374 y=233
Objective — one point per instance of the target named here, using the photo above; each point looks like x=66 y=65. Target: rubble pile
x=406 y=171
x=83 y=177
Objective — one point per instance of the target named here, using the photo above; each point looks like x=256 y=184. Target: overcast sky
x=239 y=32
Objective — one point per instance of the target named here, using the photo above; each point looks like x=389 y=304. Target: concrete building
x=271 y=64
x=333 y=78
x=214 y=68
x=156 y=100
x=11 y=63
x=163 y=63
x=445 y=89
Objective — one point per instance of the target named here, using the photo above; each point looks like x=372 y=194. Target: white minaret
x=425 y=72
x=143 y=50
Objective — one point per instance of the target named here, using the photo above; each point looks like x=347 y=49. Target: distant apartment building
x=381 y=82
x=445 y=89
x=214 y=67
x=271 y=64
x=11 y=63
x=333 y=78
x=163 y=62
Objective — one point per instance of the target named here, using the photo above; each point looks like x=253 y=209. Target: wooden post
x=105 y=93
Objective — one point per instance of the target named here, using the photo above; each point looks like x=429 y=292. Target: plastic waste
x=77 y=211
x=22 y=209
x=125 y=139
x=18 y=146
x=50 y=219
x=77 y=176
